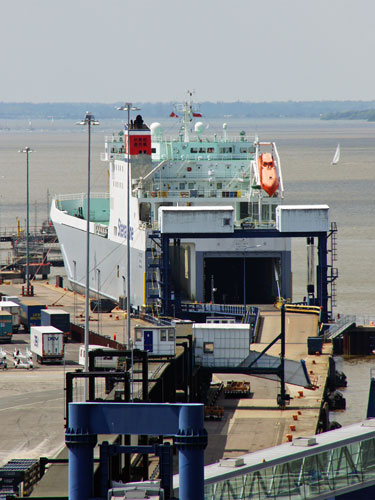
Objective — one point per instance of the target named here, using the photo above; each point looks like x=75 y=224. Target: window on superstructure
x=153 y=150
x=210 y=150
x=170 y=335
x=208 y=347
x=145 y=212
x=193 y=150
x=163 y=335
x=182 y=185
x=244 y=209
x=219 y=185
x=191 y=185
x=202 y=150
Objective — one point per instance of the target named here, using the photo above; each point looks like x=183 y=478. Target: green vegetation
x=367 y=115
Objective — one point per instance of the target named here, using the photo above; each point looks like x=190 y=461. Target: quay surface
x=32 y=402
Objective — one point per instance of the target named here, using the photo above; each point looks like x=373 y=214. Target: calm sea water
x=306 y=148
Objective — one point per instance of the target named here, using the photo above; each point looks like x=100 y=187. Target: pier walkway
x=324 y=466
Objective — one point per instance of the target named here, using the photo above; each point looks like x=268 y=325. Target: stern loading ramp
x=305 y=221
x=257 y=284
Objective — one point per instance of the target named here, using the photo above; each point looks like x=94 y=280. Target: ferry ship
x=190 y=172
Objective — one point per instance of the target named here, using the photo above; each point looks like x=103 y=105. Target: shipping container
x=47 y=342
x=56 y=317
x=5 y=327
x=30 y=313
x=14 y=309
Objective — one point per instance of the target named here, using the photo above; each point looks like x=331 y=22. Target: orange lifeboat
x=269 y=179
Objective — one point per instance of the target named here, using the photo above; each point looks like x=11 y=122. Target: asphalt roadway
x=32 y=404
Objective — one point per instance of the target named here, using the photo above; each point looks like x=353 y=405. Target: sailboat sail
x=336 y=157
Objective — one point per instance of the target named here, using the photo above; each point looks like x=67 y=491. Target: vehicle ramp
x=295 y=372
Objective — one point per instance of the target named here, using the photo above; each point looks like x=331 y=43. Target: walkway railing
x=339 y=326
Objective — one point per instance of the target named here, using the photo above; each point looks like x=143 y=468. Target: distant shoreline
x=326 y=110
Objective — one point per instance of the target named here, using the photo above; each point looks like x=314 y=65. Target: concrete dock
x=32 y=402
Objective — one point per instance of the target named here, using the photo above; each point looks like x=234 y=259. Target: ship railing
x=195 y=193
x=365 y=320
x=245 y=139
x=155 y=320
x=80 y=196
x=232 y=309
x=197 y=157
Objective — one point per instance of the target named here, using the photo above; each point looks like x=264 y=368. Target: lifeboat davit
x=269 y=180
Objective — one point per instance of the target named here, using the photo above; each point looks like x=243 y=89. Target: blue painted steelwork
x=371 y=398
x=183 y=421
x=322 y=268
x=163 y=451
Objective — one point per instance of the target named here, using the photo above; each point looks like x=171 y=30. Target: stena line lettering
x=121 y=230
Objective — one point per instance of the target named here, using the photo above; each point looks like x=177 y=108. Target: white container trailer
x=47 y=342
x=107 y=362
x=156 y=340
x=12 y=298
x=14 y=309
x=221 y=345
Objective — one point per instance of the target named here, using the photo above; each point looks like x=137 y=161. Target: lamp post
x=128 y=106
x=88 y=120
x=27 y=151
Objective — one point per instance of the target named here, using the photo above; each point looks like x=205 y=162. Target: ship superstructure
x=191 y=169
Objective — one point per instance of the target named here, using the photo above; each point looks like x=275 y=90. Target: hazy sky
x=154 y=50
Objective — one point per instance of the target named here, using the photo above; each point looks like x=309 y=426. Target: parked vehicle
x=58 y=318
x=14 y=309
x=108 y=362
x=5 y=327
x=47 y=342
x=30 y=313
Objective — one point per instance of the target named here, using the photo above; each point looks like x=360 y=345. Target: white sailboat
x=336 y=157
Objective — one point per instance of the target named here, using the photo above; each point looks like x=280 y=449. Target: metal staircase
x=153 y=289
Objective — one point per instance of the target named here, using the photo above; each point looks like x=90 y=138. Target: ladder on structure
x=333 y=272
